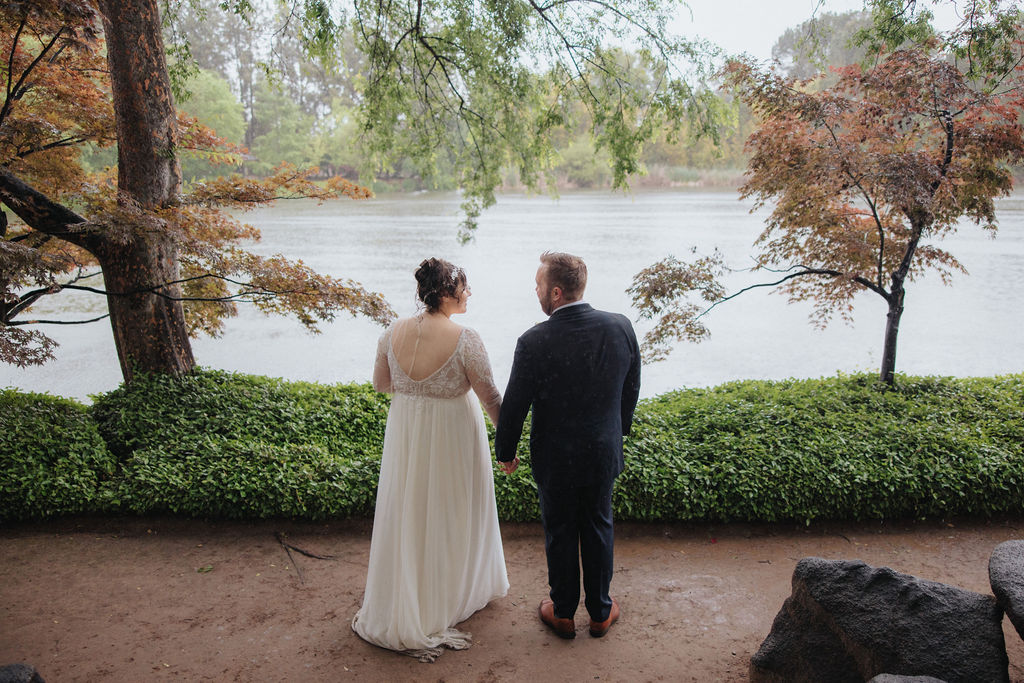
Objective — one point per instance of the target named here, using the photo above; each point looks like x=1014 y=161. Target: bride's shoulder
x=471 y=336
x=396 y=327
x=402 y=323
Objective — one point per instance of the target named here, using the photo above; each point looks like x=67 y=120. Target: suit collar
x=572 y=309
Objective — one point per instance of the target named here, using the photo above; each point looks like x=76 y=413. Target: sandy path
x=140 y=600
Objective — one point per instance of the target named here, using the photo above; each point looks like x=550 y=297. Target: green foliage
x=224 y=445
x=583 y=167
x=244 y=479
x=157 y=411
x=216 y=107
x=219 y=444
x=486 y=85
x=985 y=45
x=839 y=448
x=52 y=458
x=282 y=132
x=824 y=41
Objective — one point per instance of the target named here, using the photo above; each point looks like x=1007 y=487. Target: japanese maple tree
x=172 y=260
x=866 y=178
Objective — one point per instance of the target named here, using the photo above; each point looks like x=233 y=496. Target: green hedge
x=218 y=444
x=52 y=458
x=839 y=448
x=245 y=479
x=159 y=411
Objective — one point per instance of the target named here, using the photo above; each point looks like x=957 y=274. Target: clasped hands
x=510 y=466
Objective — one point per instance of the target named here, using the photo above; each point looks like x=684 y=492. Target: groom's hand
x=509 y=467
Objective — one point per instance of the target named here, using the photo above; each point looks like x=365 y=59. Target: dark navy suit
x=579 y=371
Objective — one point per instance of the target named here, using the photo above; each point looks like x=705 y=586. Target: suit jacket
x=579 y=371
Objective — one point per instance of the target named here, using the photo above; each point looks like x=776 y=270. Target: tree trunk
x=892 y=330
x=145 y=313
x=149 y=328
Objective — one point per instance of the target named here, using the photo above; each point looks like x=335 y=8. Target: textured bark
x=42 y=213
x=892 y=331
x=918 y=221
x=145 y=313
x=147 y=169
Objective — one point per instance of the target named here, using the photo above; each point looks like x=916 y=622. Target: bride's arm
x=381 y=370
x=478 y=369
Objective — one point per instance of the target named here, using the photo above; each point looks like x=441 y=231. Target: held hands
x=509 y=467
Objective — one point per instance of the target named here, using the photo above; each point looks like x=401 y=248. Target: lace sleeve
x=381 y=369
x=478 y=370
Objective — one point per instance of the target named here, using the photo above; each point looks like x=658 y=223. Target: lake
x=968 y=329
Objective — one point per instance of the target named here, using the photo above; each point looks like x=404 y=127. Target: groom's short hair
x=567 y=272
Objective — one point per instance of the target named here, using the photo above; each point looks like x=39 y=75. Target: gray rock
x=19 y=673
x=1006 y=575
x=848 y=621
x=795 y=652
x=891 y=678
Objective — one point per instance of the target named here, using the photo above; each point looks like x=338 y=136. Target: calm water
x=971 y=328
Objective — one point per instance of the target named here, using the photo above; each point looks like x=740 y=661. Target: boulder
x=847 y=621
x=1006 y=575
x=19 y=673
x=794 y=651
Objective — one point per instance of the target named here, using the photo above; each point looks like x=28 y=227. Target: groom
x=580 y=372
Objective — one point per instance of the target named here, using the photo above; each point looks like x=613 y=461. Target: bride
x=435 y=555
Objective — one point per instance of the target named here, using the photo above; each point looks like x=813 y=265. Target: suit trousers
x=578 y=525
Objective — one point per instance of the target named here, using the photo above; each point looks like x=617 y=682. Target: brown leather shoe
x=599 y=628
x=563 y=628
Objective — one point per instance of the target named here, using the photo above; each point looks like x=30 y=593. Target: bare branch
x=804 y=272
x=56 y=322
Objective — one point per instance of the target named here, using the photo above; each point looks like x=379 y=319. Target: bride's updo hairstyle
x=436 y=279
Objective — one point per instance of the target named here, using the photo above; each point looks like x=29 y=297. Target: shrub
x=52 y=458
x=158 y=411
x=217 y=444
x=240 y=479
x=838 y=448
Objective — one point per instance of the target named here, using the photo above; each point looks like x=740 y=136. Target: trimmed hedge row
x=838 y=448
x=218 y=444
x=159 y=411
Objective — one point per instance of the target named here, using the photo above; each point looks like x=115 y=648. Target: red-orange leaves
x=862 y=174
x=56 y=97
x=163 y=247
x=864 y=179
x=287 y=182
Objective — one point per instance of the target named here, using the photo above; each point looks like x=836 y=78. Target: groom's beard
x=545 y=303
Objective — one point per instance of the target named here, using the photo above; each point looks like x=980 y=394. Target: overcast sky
x=753 y=26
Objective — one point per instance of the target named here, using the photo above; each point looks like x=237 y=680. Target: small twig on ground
x=280 y=539
x=288 y=548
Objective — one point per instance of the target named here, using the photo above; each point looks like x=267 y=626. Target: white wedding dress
x=436 y=554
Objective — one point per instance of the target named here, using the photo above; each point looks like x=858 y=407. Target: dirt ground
x=124 y=599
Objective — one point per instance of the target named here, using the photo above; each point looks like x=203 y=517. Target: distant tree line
x=258 y=88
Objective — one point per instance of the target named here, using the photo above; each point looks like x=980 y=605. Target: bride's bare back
x=423 y=344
